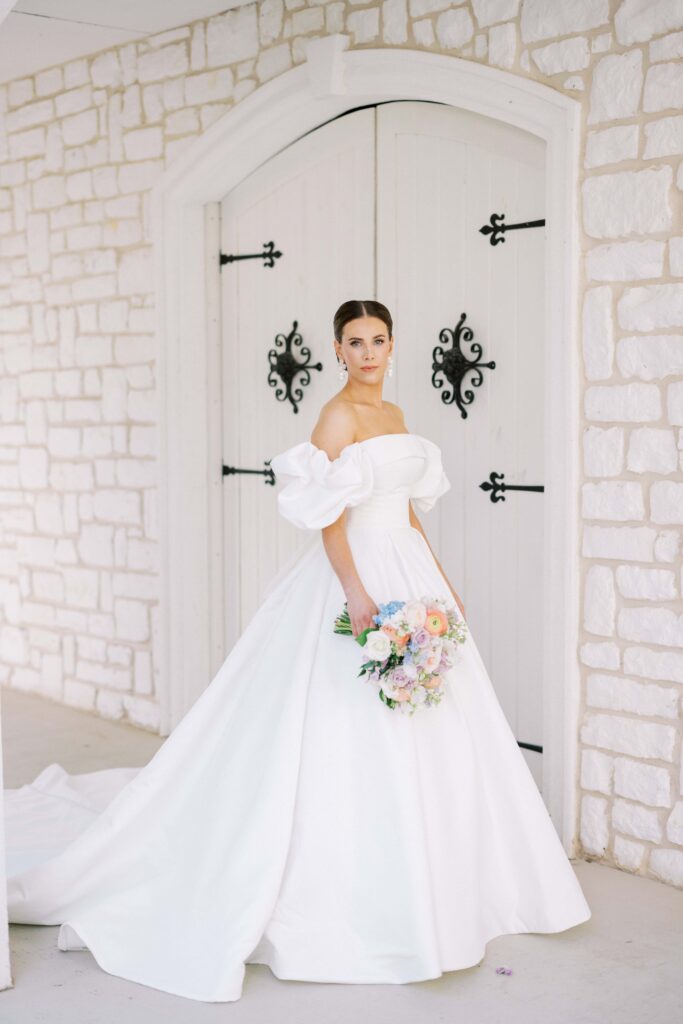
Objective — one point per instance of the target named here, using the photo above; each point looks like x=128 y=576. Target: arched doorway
x=188 y=236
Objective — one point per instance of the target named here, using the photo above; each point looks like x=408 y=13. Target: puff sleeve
x=316 y=488
x=427 y=490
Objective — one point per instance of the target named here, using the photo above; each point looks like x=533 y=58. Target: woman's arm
x=414 y=521
x=360 y=605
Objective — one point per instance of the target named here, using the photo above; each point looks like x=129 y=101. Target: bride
x=292 y=818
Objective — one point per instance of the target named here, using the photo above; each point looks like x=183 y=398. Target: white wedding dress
x=292 y=818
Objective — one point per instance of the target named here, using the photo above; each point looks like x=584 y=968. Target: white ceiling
x=36 y=34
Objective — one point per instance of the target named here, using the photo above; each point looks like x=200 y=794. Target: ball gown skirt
x=291 y=818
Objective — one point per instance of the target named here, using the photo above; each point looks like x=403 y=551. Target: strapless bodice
x=380 y=510
x=374 y=480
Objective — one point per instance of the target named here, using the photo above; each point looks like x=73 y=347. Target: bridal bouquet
x=413 y=643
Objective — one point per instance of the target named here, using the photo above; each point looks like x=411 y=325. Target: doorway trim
x=184 y=216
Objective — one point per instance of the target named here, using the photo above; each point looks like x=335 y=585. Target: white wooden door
x=441 y=173
x=315 y=201
x=387 y=203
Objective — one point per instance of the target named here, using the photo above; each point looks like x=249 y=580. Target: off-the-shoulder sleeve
x=316 y=488
x=427 y=490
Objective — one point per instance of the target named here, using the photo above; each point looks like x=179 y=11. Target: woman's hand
x=361 y=608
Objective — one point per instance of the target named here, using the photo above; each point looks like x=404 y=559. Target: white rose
x=377 y=646
x=415 y=613
x=449 y=647
x=432 y=660
x=419 y=694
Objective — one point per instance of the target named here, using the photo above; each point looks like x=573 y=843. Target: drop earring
x=390 y=365
x=342 y=369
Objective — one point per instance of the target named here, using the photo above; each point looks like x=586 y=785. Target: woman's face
x=365 y=343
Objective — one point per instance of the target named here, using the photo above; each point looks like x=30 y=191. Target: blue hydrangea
x=386 y=611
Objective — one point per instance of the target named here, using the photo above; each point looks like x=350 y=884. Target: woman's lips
x=364 y=368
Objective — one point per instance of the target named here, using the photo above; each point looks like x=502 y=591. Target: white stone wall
x=80 y=147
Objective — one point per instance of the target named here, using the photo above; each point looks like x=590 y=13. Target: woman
x=292 y=818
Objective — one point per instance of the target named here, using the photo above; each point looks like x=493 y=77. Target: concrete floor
x=624 y=966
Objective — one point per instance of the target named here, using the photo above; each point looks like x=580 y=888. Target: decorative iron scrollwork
x=268 y=256
x=286 y=367
x=497 y=229
x=455 y=365
x=495 y=485
x=268 y=473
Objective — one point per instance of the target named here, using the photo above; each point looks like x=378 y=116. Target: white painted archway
x=185 y=231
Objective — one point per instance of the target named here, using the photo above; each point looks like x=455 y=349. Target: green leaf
x=363 y=637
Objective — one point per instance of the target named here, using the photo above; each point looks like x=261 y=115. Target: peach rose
x=432 y=661
x=432 y=683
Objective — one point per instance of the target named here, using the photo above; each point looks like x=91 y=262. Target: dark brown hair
x=354 y=308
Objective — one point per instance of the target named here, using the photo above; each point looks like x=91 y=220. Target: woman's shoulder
x=341 y=422
x=336 y=427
